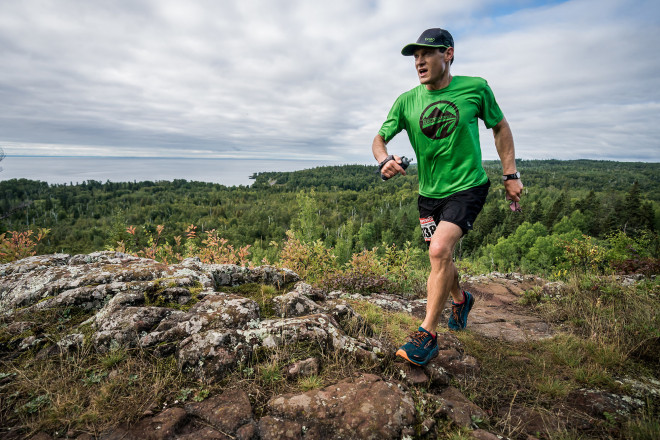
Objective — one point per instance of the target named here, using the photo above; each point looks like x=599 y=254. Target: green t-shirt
x=443 y=130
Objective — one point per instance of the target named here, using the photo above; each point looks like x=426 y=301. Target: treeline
x=348 y=207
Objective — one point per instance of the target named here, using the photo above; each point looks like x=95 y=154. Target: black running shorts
x=460 y=208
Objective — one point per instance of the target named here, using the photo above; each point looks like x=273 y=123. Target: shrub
x=585 y=254
x=628 y=254
x=211 y=249
x=311 y=260
x=17 y=245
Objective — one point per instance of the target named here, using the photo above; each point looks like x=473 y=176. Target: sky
x=294 y=80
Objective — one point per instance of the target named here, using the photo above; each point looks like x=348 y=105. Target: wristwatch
x=513 y=176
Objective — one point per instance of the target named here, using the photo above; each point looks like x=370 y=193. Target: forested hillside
x=348 y=208
x=577 y=342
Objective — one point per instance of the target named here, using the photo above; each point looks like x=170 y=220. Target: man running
x=440 y=117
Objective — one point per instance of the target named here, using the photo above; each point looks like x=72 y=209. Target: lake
x=229 y=172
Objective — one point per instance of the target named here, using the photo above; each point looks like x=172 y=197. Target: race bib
x=428 y=227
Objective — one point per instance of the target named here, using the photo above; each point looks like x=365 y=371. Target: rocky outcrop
x=194 y=313
x=184 y=310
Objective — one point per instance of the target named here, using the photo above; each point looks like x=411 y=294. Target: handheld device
x=404 y=164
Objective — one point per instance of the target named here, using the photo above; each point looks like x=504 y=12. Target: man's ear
x=449 y=54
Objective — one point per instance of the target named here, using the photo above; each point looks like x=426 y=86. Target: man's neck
x=444 y=82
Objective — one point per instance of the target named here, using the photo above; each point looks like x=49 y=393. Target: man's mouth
x=422 y=72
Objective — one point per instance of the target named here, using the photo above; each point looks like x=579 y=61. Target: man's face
x=431 y=64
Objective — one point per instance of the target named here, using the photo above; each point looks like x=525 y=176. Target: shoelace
x=454 y=310
x=417 y=338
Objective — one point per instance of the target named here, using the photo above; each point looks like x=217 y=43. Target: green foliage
x=312 y=382
x=387 y=325
x=113 y=358
x=644 y=428
x=270 y=374
x=312 y=261
x=307 y=225
x=262 y=294
x=385 y=269
x=584 y=254
x=35 y=405
x=619 y=321
x=347 y=209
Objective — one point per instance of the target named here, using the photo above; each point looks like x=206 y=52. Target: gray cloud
x=297 y=79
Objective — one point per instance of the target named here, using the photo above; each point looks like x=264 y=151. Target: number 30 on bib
x=428 y=227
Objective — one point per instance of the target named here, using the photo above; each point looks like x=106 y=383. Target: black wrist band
x=387 y=159
x=513 y=176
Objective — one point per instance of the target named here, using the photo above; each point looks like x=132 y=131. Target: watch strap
x=513 y=176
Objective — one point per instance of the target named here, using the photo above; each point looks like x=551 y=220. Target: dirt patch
x=497 y=312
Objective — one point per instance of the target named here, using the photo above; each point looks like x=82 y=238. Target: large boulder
x=365 y=407
x=211 y=353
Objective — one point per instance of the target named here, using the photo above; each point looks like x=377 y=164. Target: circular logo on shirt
x=439 y=119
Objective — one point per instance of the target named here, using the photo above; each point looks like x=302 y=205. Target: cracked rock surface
x=188 y=312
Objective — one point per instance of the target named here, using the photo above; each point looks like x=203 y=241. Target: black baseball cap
x=435 y=37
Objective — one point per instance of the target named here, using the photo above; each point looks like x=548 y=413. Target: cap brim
x=411 y=48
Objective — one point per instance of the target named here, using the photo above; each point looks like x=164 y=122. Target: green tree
x=308 y=222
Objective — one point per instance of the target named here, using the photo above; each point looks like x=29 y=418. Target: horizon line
x=160 y=157
x=289 y=159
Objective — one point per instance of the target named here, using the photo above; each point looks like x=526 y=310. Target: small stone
x=438 y=376
x=427 y=425
x=16 y=328
x=305 y=368
x=247 y=432
x=407 y=432
x=597 y=403
x=413 y=375
x=310 y=292
x=295 y=304
x=457 y=408
x=201 y=433
x=520 y=359
x=480 y=434
x=160 y=427
x=225 y=412
x=532 y=421
x=273 y=428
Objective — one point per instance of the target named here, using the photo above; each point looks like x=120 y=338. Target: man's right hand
x=392 y=167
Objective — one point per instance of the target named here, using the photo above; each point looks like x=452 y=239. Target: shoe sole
x=404 y=355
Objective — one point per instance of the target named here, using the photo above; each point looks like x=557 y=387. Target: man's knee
x=441 y=251
x=441 y=248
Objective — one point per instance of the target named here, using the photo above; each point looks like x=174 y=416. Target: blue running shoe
x=459 y=312
x=421 y=348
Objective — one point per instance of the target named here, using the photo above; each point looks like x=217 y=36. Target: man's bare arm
x=507 y=153
x=391 y=168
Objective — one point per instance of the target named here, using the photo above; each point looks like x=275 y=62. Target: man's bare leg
x=443 y=279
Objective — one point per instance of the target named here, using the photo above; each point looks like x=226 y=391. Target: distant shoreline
x=79 y=169
x=157 y=157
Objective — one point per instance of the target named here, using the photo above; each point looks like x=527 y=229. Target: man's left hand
x=513 y=189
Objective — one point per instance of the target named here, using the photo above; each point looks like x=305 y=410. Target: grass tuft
x=310 y=383
x=389 y=326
